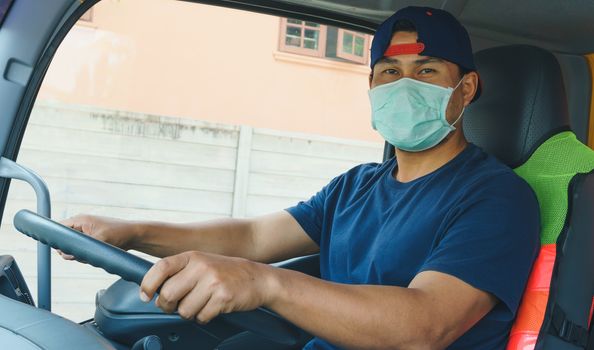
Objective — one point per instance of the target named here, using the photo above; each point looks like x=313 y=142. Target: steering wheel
x=133 y=268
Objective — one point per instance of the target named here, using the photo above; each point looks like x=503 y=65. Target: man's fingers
x=159 y=273
x=70 y=257
x=193 y=302
x=211 y=310
x=200 y=286
x=72 y=223
x=64 y=255
x=175 y=289
x=67 y=222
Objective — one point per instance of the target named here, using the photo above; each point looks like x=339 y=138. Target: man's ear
x=469 y=87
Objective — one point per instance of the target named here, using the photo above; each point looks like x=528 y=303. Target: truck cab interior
x=535 y=114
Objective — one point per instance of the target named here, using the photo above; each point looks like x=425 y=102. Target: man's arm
x=270 y=238
x=431 y=313
x=434 y=311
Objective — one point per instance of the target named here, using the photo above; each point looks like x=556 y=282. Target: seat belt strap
x=565 y=329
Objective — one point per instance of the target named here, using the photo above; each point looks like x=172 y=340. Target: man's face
x=427 y=69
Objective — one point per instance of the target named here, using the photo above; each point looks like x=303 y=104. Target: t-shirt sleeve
x=492 y=239
x=310 y=214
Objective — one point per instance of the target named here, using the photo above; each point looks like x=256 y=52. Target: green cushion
x=549 y=171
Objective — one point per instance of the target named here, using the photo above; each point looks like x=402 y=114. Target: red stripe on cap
x=404 y=49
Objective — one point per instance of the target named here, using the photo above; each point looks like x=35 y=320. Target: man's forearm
x=360 y=316
x=270 y=238
x=230 y=237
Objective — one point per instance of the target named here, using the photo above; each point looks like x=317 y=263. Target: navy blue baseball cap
x=439 y=35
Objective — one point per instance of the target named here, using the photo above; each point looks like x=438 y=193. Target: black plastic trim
x=547 y=322
x=565 y=329
x=389 y=151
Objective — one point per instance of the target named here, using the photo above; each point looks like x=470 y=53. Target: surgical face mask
x=410 y=114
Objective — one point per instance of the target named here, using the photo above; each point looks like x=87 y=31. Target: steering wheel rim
x=133 y=268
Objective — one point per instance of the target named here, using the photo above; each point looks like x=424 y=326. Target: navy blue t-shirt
x=473 y=218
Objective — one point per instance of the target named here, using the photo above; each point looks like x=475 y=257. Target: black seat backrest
x=523 y=104
x=522 y=119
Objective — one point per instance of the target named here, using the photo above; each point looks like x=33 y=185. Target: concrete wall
x=140 y=166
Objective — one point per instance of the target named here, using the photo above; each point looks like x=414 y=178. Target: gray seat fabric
x=25 y=327
x=11 y=340
x=523 y=102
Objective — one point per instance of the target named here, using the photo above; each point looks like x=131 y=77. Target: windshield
x=213 y=113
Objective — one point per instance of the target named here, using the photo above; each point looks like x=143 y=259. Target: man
x=430 y=251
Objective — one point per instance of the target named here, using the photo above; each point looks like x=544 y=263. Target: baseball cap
x=439 y=35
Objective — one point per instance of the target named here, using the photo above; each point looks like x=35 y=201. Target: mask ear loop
x=459 y=82
x=457 y=119
x=463 y=108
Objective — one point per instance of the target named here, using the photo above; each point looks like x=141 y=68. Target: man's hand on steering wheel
x=109 y=230
x=201 y=286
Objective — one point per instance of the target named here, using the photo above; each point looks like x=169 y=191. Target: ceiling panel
x=374 y=10
x=561 y=25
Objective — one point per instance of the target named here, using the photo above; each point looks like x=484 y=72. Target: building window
x=313 y=39
x=352 y=46
x=303 y=37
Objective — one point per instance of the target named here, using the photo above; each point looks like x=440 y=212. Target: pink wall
x=181 y=59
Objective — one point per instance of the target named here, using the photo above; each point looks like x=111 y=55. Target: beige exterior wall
x=202 y=62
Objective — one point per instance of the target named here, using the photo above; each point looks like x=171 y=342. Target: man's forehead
x=401 y=37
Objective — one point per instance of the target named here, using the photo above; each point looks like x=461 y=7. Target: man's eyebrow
x=389 y=60
x=429 y=60
x=392 y=60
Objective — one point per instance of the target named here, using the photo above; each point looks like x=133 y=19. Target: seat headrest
x=523 y=102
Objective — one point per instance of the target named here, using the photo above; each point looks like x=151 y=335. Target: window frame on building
x=352 y=56
x=301 y=50
x=321 y=51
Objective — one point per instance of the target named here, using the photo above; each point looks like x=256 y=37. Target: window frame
x=321 y=50
x=351 y=56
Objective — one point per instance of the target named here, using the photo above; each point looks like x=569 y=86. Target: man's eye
x=390 y=71
x=426 y=71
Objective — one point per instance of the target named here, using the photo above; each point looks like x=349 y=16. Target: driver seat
x=522 y=119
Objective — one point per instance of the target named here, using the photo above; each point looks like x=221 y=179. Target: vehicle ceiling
x=563 y=26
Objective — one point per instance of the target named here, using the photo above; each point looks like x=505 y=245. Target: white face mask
x=410 y=114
